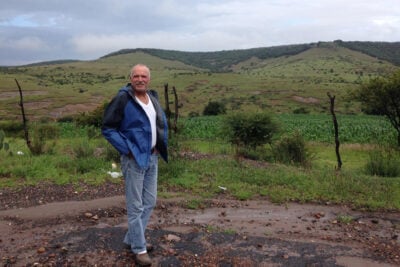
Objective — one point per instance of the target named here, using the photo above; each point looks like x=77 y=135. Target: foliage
x=111 y=154
x=12 y=127
x=384 y=162
x=381 y=96
x=279 y=183
x=382 y=50
x=3 y=145
x=360 y=129
x=214 y=108
x=221 y=60
x=249 y=129
x=81 y=149
x=203 y=177
x=277 y=79
x=93 y=118
x=292 y=149
x=301 y=110
x=39 y=135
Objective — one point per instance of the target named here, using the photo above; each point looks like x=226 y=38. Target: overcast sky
x=42 y=30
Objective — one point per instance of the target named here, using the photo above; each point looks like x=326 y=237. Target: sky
x=43 y=30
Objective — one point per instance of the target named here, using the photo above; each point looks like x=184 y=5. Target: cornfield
x=360 y=129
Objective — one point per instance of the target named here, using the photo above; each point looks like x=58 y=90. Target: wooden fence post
x=335 y=124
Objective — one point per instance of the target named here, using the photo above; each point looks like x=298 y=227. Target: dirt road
x=47 y=229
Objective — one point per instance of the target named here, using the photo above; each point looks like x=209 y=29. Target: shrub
x=111 y=154
x=292 y=149
x=249 y=129
x=40 y=133
x=301 y=110
x=93 y=118
x=82 y=149
x=12 y=128
x=3 y=145
x=383 y=162
x=214 y=108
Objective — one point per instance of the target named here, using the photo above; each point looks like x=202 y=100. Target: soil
x=49 y=225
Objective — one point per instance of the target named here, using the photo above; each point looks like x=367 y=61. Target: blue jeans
x=141 y=196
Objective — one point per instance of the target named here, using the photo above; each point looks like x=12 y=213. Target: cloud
x=89 y=29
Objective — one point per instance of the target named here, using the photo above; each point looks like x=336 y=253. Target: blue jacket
x=127 y=127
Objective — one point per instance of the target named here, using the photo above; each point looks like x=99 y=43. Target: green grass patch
x=209 y=167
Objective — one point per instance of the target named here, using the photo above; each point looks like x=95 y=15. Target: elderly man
x=135 y=124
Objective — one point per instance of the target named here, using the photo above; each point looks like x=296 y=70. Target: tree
x=381 y=96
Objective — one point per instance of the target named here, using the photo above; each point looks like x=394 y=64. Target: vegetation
x=381 y=96
x=249 y=130
x=292 y=149
x=214 y=108
x=79 y=156
x=283 y=79
x=64 y=102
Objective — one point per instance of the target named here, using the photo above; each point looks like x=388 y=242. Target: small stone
x=41 y=250
x=171 y=237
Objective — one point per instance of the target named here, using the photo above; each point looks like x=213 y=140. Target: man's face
x=140 y=78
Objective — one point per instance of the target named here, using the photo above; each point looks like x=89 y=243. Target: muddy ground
x=61 y=226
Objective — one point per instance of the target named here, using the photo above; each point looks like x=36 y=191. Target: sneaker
x=143 y=259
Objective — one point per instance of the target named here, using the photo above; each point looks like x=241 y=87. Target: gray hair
x=140 y=65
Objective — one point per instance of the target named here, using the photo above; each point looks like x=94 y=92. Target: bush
x=82 y=149
x=249 y=129
x=214 y=108
x=301 y=110
x=384 y=162
x=12 y=128
x=93 y=118
x=111 y=154
x=292 y=149
x=40 y=133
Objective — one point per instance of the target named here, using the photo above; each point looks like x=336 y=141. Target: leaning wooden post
x=167 y=110
x=335 y=124
x=176 y=109
x=24 y=121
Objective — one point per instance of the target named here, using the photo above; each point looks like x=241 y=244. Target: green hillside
x=281 y=79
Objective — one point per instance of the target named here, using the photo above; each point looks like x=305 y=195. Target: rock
x=171 y=237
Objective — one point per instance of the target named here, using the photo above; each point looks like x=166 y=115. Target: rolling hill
x=280 y=79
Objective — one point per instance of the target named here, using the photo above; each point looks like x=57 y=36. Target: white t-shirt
x=151 y=114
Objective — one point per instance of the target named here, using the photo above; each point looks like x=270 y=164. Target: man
x=135 y=124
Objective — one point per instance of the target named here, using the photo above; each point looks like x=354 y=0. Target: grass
x=281 y=183
x=280 y=84
x=207 y=166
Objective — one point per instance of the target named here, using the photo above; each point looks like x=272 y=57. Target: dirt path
x=221 y=233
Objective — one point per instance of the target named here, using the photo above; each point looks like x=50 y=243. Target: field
x=280 y=85
x=201 y=160
x=62 y=205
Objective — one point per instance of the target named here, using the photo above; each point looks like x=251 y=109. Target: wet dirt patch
x=59 y=226
x=193 y=249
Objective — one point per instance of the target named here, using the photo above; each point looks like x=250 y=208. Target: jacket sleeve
x=113 y=115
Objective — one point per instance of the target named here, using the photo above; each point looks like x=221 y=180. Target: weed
x=346 y=219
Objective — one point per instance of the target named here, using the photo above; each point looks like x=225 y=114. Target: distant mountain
x=281 y=79
x=222 y=61
x=381 y=50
